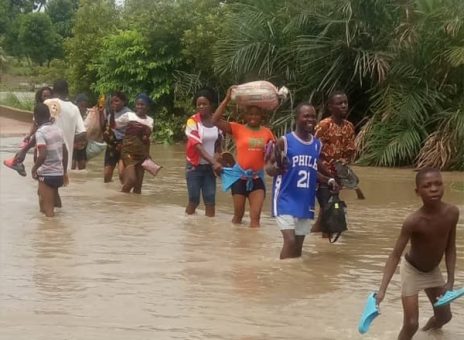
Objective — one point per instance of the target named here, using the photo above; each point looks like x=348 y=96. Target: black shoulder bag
x=334 y=218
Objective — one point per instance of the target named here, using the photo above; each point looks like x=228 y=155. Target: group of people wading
x=127 y=134
x=301 y=163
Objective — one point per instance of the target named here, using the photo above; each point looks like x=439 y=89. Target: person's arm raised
x=395 y=257
x=218 y=119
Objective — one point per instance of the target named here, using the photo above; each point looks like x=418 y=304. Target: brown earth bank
x=14 y=122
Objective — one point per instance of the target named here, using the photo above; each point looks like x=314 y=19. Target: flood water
x=117 y=266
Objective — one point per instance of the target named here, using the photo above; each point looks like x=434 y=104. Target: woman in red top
x=250 y=140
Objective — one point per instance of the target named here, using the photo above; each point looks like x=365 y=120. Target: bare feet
x=236 y=220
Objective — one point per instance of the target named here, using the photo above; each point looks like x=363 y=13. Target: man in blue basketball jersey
x=294 y=165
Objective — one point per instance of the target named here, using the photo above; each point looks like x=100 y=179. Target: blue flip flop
x=371 y=311
x=449 y=297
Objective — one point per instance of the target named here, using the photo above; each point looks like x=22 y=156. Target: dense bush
x=401 y=62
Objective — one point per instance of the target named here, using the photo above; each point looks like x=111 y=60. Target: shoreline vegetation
x=401 y=63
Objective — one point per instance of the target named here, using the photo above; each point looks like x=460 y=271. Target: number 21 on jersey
x=303 y=179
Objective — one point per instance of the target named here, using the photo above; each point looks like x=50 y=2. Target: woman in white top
x=203 y=146
x=136 y=143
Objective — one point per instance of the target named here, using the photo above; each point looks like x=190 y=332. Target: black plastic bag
x=334 y=218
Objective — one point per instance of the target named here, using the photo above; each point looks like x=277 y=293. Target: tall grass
x=12 y=100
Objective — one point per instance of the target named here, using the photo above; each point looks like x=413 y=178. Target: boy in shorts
x=52 y=159
x=294 y=166
x=432 y=231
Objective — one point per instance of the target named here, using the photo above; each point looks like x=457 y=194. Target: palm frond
x=391 y=144
x=455 y=55
x=444 y=148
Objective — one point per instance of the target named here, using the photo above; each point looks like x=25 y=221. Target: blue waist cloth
x=231 y=175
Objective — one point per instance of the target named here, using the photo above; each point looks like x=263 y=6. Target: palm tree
x=401 y=62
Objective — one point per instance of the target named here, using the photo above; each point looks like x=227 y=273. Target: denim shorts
x=201 y=179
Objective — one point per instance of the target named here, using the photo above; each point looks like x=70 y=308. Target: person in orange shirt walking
x=337 y=136
x=250 y=140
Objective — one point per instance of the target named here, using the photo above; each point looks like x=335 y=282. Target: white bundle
x=260 y=93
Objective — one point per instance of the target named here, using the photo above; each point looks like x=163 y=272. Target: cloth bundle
x=92 y=124
x=260 y=93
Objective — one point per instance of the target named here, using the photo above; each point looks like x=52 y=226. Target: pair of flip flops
x=371 y=310
x=449 y=297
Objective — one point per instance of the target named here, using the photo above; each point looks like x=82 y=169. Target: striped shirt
x=51 y=136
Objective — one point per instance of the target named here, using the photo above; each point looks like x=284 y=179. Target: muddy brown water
x=118 y=266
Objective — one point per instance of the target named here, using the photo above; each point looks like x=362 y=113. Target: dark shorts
x=80 y=155
x=112 y=155
x=52 y=181
x=201 y=180
x=239 y=187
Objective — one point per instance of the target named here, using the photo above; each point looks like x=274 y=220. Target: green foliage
x=26 y=6
x=61 y=13
x=124 y=64
x=179 y=38
x=181 y=35
x=57 y=69
x=38 y=38
x=13 y=101
x=169 y=126
x=3 y=62
x=400 y=63
x=94 y=20
x=5 y=18
x=11 y=12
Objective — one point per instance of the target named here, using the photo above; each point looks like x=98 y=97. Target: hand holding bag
x=334 y=218
x=150 y=166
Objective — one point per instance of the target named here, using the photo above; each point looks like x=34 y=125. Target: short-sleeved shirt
x=136 y=126
x=250 y=144
x=50 y=136
x=197 y=133
x=68 y=118
x=119 y=130
x=337 y=140
x=124 y=119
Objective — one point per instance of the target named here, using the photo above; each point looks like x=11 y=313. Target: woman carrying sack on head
x=136 y=143
x=250 y=140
